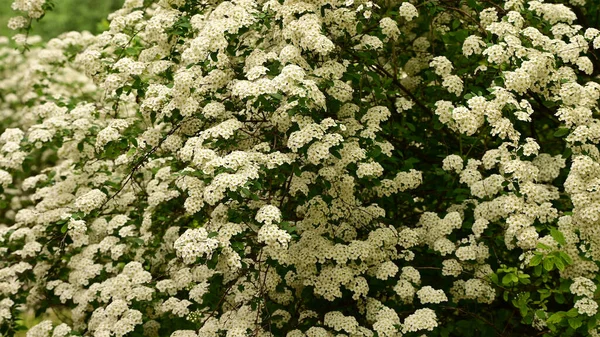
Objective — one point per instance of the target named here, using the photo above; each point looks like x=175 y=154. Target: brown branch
x=468 y=16
x=141 y=163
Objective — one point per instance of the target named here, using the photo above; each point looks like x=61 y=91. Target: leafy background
x=68 y=15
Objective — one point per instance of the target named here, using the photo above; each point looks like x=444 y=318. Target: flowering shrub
x=304 y=168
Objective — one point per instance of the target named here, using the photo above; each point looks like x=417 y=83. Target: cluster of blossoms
x=288 y=168
x=584 y=288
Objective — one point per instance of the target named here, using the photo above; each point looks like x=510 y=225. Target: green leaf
x=573 y=312
x=575 y=323
x=566 y=258
x=559 y=264
x=494 y=278
x=558 y=236
x=537 y=259
x=359 y=27
x=509 y=278
x=561 y=132
x=543 y=246
x=245 y=192
x=455 y=24
x=374 y=152
x=556 y=317
x=549 y=263
x=591 y=324
x=64 y=228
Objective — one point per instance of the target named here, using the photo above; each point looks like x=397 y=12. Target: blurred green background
x=68 y=15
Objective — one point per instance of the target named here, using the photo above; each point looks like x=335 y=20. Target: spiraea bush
x=303 y=168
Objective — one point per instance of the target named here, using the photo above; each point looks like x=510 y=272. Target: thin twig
x=141 y=163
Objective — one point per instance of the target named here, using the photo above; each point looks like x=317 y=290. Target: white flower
x=422 y=319
x=586 y=306
x=195 y=243
x=5 y=178
x=90 y=200
x=268 y=214
x=408 y=11
x=583 y=287
x=40 y=330
x=429 y=295
x=452 y=163
x=273 y=236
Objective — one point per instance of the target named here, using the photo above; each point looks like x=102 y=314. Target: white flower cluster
x=429 y=295
x=90 y=201
x=33 y=8
x=408 y=11
x=584 y=288
x=586 y=306
x=195 y=243
x=259 y=166
x=422 y=319
x=268 y=214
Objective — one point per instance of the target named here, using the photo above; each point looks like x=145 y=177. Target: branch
x=498 y=332
x=141 y=163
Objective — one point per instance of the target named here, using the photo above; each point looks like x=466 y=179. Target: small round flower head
x=586 y=306
x=583 y=287
x=90 y=200
x=429 y=295
x=452 y=163
x=5 y=178
x=268 y=214
x=195 y=243
x=40 y=330
x=408 y=11
x=422 y=319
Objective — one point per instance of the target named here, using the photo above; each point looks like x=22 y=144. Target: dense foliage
x=67 y=15
x=303 y=168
